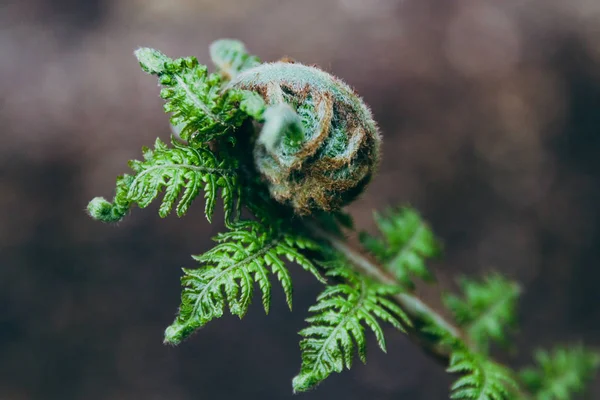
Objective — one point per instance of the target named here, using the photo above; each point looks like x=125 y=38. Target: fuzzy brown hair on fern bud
x=319 y=146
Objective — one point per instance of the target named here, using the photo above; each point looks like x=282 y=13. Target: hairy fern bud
x=319 y=145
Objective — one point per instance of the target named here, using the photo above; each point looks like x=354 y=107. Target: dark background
x=490 y=112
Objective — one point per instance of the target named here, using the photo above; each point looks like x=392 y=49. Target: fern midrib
x=408 y=245
x=246 y=260
x=197 y=102
x=198 y=168
x=361 y=299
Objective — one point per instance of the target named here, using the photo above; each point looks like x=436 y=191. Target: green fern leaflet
x=487 y=310
x=242 y=257
x=181 y=172
x=231 y=57
x=198 y=102
x=561 y=373
x=482 y=378
x=337 y=328
x=406 y=243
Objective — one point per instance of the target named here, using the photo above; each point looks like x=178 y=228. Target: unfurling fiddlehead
x=321 y=155
x=293 y=144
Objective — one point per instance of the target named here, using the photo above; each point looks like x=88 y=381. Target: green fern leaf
x=561 y=373
x=242 y=257
x=482 y=379
x=337 y=328
x=406 y=243
x=487 y=310
x=231 y=58
x=200 y=106
x=181 y=172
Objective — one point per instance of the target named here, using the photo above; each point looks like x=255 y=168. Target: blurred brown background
x=490 y=112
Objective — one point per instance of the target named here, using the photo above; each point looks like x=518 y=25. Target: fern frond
x=199 y=106
x=337 y=328
x=406 y=243
x=482 y=378
x=242 y=257
x=487 y=310
x=561 y=373
x=181 y=172
x=231 y=57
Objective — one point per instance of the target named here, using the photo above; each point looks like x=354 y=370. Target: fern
x=200 y=107
x=242 y=256
x=230 y=57
x=482 y=378
x=336 y=329
x=294 y=199
x=488 y=308
x=406 y=243
x=560 y=373
x=181 y=172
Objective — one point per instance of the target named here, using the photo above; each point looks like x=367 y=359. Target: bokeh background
x=490 y=112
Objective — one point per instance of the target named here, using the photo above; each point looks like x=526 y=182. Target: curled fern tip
x=102 y=210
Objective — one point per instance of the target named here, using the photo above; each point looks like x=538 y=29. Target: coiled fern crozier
x=292 y=145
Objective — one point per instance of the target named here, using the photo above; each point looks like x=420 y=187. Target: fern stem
x=416 y=308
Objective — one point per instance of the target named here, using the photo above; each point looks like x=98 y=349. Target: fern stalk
x=416 y=309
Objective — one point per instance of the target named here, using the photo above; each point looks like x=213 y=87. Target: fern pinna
x=342 y=311
x=244 y=255
x=283 y=140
